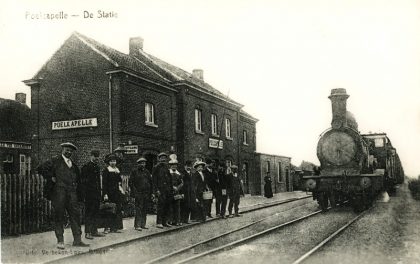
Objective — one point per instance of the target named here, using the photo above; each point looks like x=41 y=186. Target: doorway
x=151 y=161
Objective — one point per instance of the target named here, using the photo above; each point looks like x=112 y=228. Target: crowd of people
x=183 y=194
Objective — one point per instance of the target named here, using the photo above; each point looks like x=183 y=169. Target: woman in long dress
x=268 y=192
x=112 y=191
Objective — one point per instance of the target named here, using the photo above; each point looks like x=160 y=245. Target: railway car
x=354 y=167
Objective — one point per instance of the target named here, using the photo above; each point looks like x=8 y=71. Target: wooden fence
x=24 y=208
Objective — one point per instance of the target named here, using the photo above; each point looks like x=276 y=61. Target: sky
x=278 y=58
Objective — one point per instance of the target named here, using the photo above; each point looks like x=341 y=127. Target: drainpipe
x=110 y=112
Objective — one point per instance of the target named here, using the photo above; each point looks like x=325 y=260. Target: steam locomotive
x=354 y=167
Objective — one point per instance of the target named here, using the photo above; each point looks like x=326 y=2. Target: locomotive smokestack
x=338 y=99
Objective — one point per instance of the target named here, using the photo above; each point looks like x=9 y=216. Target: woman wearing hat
x=177 y=184
x=200 y=187
x=112 y=190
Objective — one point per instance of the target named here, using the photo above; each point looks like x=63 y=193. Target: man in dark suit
x=200 y=186
x=210 y=176
x=66 y=193
x=187 y=204
x=141 y=188
x=234 y=191
x=224 y=183
x=162 y=189
x=91 y=180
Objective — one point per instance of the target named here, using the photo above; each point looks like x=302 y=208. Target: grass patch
x=414 y=186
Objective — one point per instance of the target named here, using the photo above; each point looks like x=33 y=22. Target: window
x=228 y=165
x=279 y=178
x=245 y=137
x=22 y=164
x=379 y=142
x=268 y=166
x=8 y=158
x=8 y=164
x=198 y=127
x=214 y=125
x=149 y=110
x=228 y=135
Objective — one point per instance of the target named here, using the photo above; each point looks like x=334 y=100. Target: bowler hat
x=141 y=160
x=162 y=154
x=198 y=163
x=68 y=144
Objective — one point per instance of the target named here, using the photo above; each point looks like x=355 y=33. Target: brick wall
x=73 y=86
x=197 y=144
x=278 y=169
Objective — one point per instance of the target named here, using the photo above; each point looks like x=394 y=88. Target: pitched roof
x=152 y=67
x=122 y=60
x=245 y=114
x=15 y=120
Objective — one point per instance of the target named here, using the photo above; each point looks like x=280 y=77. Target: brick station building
x=98 y=97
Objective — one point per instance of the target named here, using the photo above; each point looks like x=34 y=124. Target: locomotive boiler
x=354 y=167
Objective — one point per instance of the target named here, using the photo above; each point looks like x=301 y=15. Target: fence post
x=33 y=203
x=3 y=203
x=19 y=202
x=37 y=201
x=9 y=203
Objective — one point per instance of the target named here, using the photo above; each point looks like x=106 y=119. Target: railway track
x=194 y=258
x=305 y=256
x=188 y=253
x=244 y=210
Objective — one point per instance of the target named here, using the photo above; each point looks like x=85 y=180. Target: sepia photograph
x=271 y=131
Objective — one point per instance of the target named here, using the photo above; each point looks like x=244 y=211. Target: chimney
x=136 y=44
x=198 y=73
x=21 y=98
x=338 y=99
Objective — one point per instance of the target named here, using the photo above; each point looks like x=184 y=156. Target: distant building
x=278 y=167
x=15 y=136
x=98 y=97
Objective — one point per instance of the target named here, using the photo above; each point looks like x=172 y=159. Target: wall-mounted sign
x=215 y=143
x=131 y=149
x=79 y=123
x=15 y=145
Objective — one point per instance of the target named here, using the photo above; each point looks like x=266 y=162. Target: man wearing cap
x=141 y=188
x=234 y=191
x=91 y=179
x=162 y=186
x=200 y=186
x=66 y=193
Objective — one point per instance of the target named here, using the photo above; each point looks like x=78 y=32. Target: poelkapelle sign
x=78 y=123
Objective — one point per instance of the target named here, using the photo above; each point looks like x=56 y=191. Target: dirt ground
x=388 y=233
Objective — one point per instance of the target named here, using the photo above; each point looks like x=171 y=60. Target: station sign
x=131 y=149
x=215 y=143
x=78 y=123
